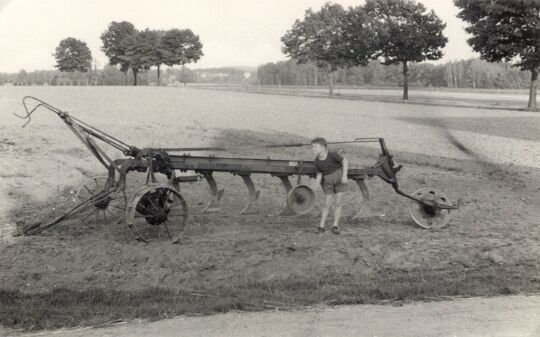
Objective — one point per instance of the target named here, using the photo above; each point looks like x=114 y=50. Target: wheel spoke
x=167 y=229
x=146 y=208
x=112 y=215
x=89 y=191
x=89 y=214
x=114 y=206
x=154 y=205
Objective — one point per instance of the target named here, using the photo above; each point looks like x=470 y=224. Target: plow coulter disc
x=157 y=214
x=104 y=204
x=301 y=199
x=430 y=217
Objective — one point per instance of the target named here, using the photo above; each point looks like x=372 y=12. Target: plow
x=156 y=211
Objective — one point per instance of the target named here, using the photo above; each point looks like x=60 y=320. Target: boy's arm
x=345 y=164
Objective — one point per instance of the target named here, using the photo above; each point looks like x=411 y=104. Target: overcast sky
x=233 y=32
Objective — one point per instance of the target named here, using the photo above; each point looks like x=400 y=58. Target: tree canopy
x=507 y=31
x=404 y=31
x=180 y=46
x=320 y=38
x=73 y=55
x=115 y=43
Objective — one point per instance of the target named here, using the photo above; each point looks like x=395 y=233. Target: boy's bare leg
x=326 y=209
x=337 y=210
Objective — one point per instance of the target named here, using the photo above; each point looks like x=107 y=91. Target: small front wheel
x=157 y=213
x=426 y=216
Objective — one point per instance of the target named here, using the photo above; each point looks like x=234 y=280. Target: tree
x=507 y=31
x=403 y=32
x=320 y=39
x=161 y=52
x=22 y=77
x=180 y=47
x=115 y=43
x=142 y=51
x=73 y=55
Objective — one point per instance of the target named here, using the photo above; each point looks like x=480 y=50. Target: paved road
x=501 y=316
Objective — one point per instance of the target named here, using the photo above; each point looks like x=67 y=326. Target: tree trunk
x=532 y=90
x=330 y=84
x=135 y=71
x=158 y=79
x=405 y=81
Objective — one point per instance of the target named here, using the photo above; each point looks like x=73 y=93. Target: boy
x=332 y=170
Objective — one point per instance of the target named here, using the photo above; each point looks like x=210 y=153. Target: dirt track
x=517 y=316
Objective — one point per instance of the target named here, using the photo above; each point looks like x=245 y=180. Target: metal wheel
x=157 y=213
x=301 y=199
x=105 y=204
x=430 y=217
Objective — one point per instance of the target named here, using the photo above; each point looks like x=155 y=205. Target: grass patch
x=61 y=308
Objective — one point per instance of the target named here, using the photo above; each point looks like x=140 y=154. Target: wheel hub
x=152 y=206
x=427 y=216
x=103 y=203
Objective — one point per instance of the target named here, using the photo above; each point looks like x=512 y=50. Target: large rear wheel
x=157 y=213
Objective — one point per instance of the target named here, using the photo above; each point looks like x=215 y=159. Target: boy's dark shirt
x=331 y=164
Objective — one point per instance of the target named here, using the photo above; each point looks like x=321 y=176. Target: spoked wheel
x=426 y=216
x=157 y=213
x=105 y=205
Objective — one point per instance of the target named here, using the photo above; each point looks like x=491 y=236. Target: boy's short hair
x=319 y=140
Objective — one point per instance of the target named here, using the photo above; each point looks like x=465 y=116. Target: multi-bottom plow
x=157 y=211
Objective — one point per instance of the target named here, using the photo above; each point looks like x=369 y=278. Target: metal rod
x=270 y=146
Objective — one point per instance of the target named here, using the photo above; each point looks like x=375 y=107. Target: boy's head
x=318 y=145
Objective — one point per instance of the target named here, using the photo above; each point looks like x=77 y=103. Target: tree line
x=349 y=45
x=131 y=49
x=471 y=73
x=111 y=75
x=402 y=32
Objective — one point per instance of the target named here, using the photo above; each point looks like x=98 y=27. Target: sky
x=233 y=32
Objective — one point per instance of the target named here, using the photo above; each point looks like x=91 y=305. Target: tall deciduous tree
x=404 y=32
x=115 y=43
x=143 y=51
x=320 y=38
x=507 y=31
x=180 y=47
x=73 y=55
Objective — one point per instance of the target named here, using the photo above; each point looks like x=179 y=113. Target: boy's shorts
x=331 y=183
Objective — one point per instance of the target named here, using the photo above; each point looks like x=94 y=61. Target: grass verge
x=61 y=308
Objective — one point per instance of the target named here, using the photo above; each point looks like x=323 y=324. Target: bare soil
x=263 y=261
